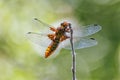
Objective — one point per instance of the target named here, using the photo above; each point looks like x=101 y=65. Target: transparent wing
x=85 y=30
x=79 y=43
x=41 y=23
x=38 y=38
x=41 y=26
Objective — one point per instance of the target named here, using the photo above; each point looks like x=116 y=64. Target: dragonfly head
x=65 y=24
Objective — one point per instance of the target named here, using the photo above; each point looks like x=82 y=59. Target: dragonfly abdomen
x=52 y=47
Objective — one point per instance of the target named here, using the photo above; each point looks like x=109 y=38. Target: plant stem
x=73 y=54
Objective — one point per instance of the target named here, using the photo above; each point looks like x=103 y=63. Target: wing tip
x=98 y=26
x=35 y=18
x=92 y=38
x=95 y=24
x=29 y=32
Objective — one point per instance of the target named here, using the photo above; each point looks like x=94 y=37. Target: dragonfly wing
x=41 y=23
x=86 y=30
x=79 y=43
x=41 y=26
x=38 y=38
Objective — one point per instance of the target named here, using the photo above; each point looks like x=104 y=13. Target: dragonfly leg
x=51 y=36
x=64 y=37
x=52 y=29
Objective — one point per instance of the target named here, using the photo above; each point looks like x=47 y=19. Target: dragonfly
x=58 y=37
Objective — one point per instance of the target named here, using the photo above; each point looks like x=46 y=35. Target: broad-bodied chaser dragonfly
x=59 y=37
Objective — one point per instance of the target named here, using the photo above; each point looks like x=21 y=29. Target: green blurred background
x=20 y=61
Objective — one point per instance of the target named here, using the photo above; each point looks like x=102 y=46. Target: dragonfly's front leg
x=51 y=36
x=64 y=37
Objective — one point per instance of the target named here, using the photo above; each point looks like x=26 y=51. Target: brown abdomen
x=51 y=48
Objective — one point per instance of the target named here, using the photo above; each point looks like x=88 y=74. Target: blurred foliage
x=19 y=60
